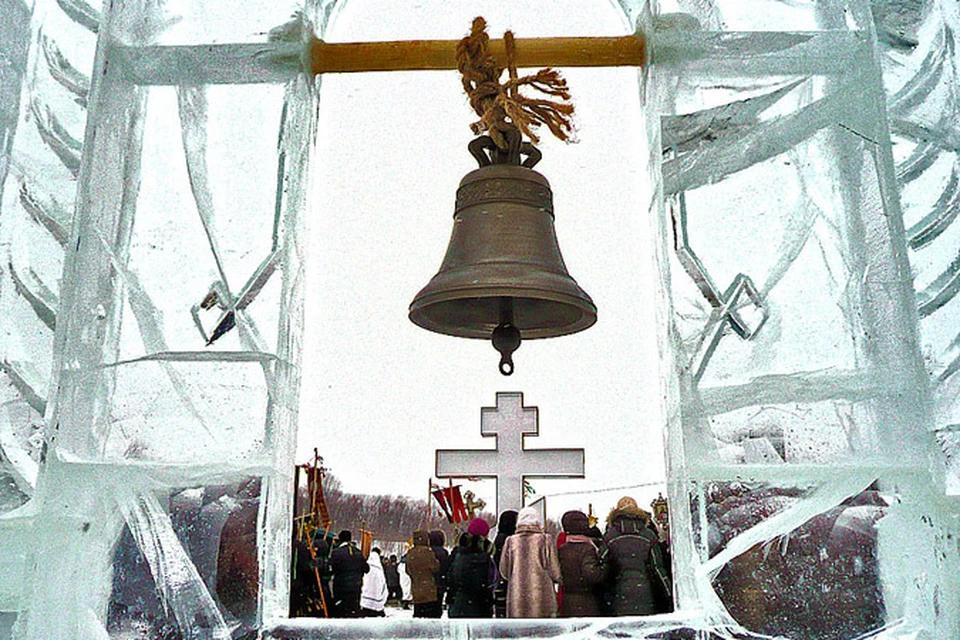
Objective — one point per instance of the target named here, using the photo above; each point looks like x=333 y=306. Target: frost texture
x=800 y=450
x=177 y=324
x=804 y=159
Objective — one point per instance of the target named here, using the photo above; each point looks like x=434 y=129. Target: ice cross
x=509 y=462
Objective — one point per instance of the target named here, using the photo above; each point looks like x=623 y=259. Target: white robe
x=405 y=581
x=374 y=593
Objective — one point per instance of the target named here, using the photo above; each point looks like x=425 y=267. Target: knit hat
x=478 y=527
x=575 y=523
x=627 y=502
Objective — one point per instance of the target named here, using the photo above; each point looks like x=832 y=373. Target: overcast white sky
x=380 y=394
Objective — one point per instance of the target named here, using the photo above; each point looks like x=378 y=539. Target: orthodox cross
x=473 y=504
x=510 y=462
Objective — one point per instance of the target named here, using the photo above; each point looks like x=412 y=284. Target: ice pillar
x=800 y=463
x=178 y=335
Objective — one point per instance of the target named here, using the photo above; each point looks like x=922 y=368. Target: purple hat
x=478 y=527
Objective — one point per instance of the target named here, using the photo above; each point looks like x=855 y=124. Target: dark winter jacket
x=506 y=527
x=348 y=566
x=583 y=578
x=392 y=574
x=303 y=581
x=422 y=567
x=471 y=579
x=635 y=560
x=437 y=541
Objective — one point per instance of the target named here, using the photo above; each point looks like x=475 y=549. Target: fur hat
x=438 y=538
x=478 y=527
x=421 y=538
x=575 y=523
x=627 y=507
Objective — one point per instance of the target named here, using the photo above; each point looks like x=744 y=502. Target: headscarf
x=528 y=516
x=506 y=527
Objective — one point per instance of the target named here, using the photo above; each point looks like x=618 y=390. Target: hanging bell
x=503 y=277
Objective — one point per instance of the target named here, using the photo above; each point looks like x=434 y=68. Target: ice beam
x=278 y=61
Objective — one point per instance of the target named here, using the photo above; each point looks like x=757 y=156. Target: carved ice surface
x=805 y=185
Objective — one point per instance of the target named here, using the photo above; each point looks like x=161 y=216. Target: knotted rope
x=500 y=105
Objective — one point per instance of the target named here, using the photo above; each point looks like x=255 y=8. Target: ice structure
x=805 y=165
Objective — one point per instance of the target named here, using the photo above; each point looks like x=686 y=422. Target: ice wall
x=42 y=111
x=921 y=78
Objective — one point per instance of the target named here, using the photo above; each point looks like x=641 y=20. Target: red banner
x=457 y=508
x=440 y=495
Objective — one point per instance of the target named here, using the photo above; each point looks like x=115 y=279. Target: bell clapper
x=506 y=337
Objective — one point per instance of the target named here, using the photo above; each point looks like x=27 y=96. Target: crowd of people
x=522 y=573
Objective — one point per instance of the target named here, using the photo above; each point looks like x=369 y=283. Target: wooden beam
x=415 y=55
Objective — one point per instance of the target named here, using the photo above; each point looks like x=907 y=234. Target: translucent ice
x=805 y=189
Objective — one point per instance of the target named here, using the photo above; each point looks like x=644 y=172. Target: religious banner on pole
x=451 y=501
x=510 y=462
x=441 y=497
x=457 y=509
x=366 y=540
x=318 y=501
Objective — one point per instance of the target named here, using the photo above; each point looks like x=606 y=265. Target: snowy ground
x=398 y=612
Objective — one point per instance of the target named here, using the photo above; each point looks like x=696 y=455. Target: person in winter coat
x=506 y=527
x=438 y=541
x=304 y=589
x=348 y=566
x=373 y=596
x=596 y=536
x=394 y=592
x=472 y=575
x=530 y=565
x=323 y=545
x=583 y=575
x=423 y=567
x=635 y=560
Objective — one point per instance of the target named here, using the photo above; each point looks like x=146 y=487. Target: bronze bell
x=503 y=277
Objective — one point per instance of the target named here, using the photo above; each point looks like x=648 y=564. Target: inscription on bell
x=523 y=192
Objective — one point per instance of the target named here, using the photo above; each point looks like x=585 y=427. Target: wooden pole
x=424 y=55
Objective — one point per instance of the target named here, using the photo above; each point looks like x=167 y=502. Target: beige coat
x=530 y=566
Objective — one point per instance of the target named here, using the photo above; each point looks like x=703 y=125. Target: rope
x=623 y=488
x=500 y=105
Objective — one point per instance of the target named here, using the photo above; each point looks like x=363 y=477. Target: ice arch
x=825 y=395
